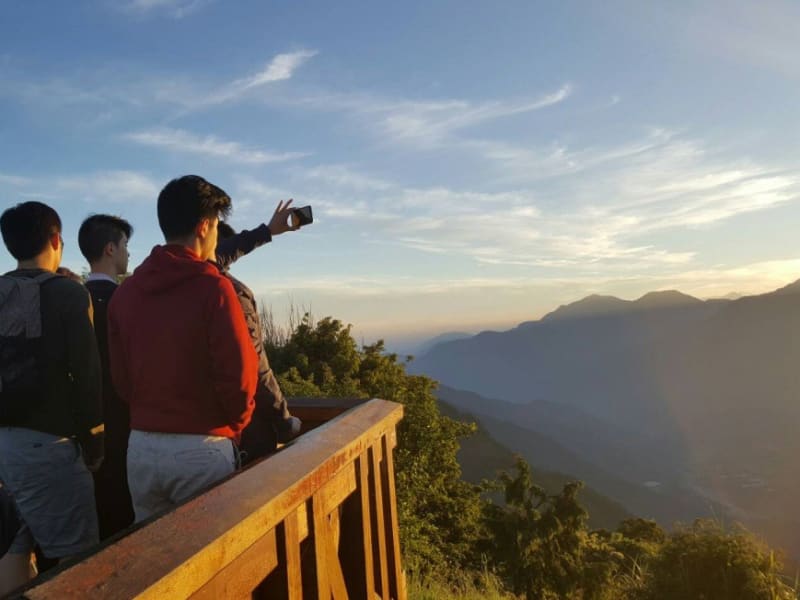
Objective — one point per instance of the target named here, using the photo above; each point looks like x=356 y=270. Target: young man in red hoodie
x=180 y=355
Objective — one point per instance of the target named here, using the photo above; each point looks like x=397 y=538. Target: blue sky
x=470 y=164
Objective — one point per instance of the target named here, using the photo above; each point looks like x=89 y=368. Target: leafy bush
x=707 y=561
x=439 y=513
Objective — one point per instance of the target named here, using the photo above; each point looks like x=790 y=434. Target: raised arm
x=231 y=249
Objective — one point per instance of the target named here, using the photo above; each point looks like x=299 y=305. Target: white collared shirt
x=100 y=277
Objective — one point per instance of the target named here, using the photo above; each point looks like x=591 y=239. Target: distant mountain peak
x=665 y=299
x=591 y=306
x=597 y=305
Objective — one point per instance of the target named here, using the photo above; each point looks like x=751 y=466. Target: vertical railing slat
x=380 y=530
x=366 y=524
x=390 y=508
x=294 y=569
x=320 y=550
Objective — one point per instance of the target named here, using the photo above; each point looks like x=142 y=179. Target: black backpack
x=22 y=375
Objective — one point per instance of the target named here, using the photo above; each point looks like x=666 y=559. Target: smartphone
x=304 y=215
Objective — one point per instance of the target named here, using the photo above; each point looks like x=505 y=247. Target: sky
x=470 y=165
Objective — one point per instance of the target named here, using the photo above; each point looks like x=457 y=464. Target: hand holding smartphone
x=287 y=218
x=302 y=216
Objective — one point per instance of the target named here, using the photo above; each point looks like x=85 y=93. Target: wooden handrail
x=316 y=520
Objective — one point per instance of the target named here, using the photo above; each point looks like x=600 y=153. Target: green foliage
x=538 y=539
x=439 y=513
x=480 y=585
x=543 y=549
x=707 y=561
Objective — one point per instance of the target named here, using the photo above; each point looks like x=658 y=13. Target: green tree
x=536 y=540
x=439 y=513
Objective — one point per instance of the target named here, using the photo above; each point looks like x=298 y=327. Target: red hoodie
x=179 y=348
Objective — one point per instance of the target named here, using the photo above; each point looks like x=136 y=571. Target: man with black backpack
x=51 y=426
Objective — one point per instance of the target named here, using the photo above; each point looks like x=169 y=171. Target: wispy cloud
x=749 y=278
x=344 y=176
x=118 y=91
x=177 y=9
x=433 y=122
x=611 y=208
x=426 y=122
x=109 y=187
x=15 y=180
x=178 y=140
x=106 y=187
x=280 y=68
x=393 y=286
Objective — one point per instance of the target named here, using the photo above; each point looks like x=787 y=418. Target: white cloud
x=178 y=140
x=110 y=187
x=344 y=176
x=426 y=122
x=394 y=286
x=116 y=91
x=433 y=122
x=177 y=9
x=612 y=203
x=14 y=180
x=280 y=68
x=101 y=187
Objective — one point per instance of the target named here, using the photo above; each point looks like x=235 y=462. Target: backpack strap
x=23 y=313
x=40 y=278
x=45 y=277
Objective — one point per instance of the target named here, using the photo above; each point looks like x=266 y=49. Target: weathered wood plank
x=380 y=526
x=366 y=524
x=355 y=544
x=294 y=573
x=338 y=488
x=178 y=554
x=396 y=576
x=244 y=574
x=321 y=547
x=334 y=568
x=302 y=521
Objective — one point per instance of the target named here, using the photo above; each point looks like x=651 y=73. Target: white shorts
x=165 y=469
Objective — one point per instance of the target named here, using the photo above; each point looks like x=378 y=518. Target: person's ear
x=203 y=227
x=109 y=249
x=55 y=241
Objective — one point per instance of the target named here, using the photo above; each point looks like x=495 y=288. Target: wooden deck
x=318 y=519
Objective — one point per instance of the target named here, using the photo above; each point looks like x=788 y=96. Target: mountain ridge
x=705 y=391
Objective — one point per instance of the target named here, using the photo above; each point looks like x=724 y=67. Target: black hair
x=186 y=201
x=225 y=231
x=27 y=228
x=97 y=231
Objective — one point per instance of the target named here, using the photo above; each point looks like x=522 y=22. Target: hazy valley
x=672 y=407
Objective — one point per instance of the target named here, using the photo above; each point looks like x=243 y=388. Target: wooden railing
x=318 y=519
